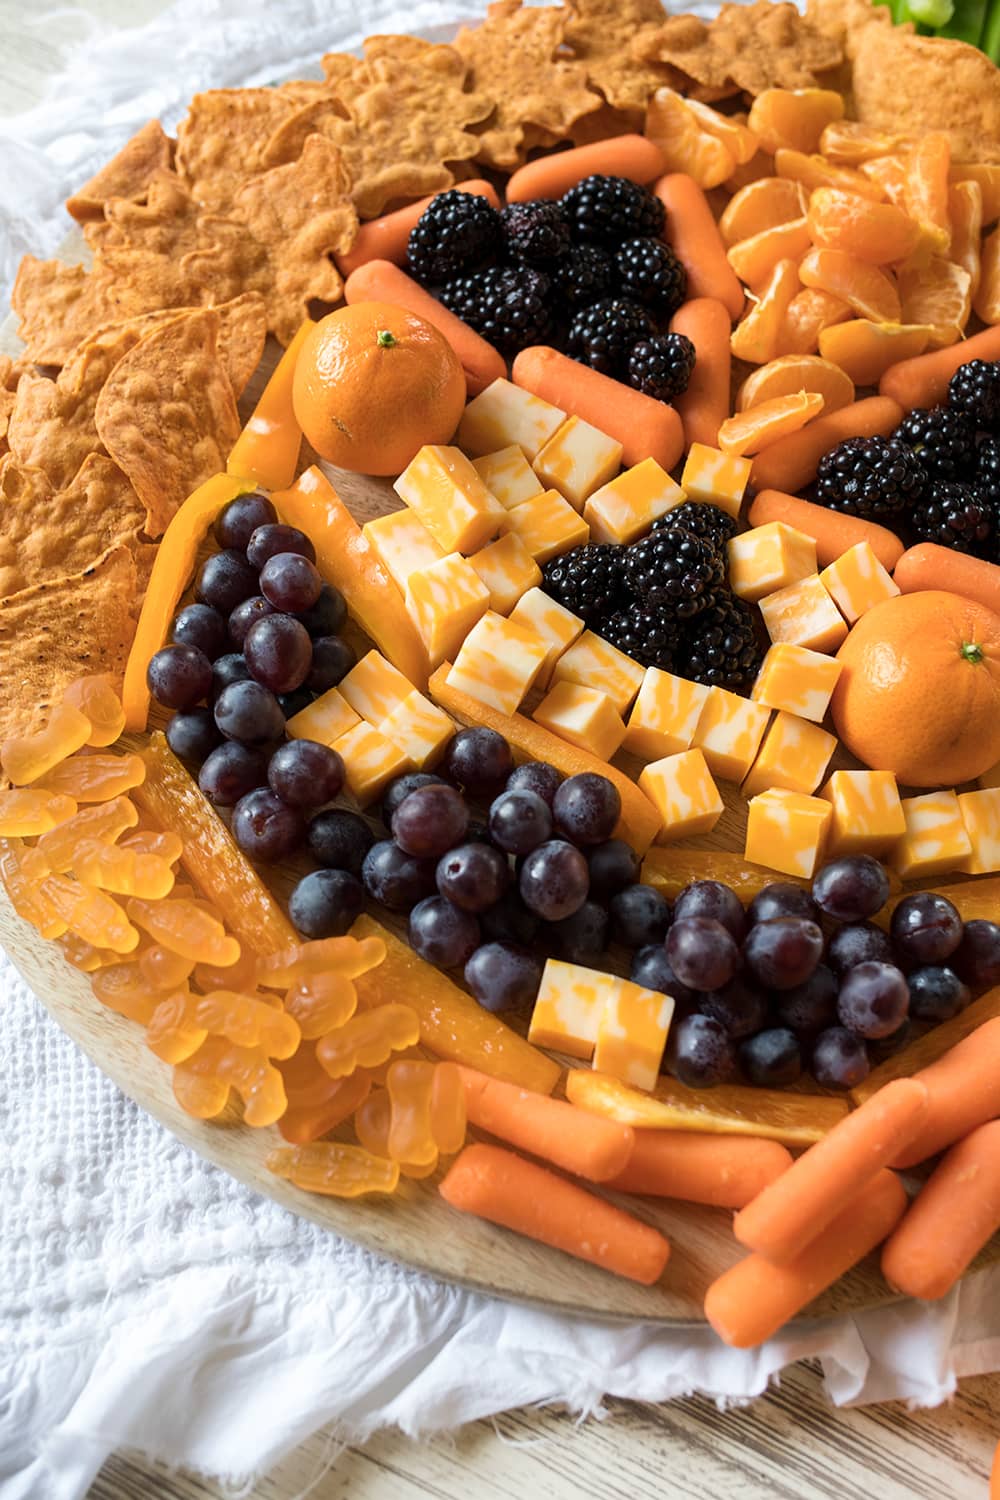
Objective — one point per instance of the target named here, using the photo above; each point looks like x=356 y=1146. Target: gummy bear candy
x=340 y=955
x=368 y=1039
x=98 y=701
x=107 y=822
x=183 y=926
x=95 y=778
x=25 y=813
x=245 y=1069
x=321 y=1003
x=334 y=1169
x=122 y=870
x=25 y=757
x=91 y=914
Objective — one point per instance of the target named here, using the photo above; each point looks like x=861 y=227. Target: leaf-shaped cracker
x=910 y=84
x=753 y=47
x=58 y=305
x=126 y=175
x=167 y=415
x=242 y=334
x=606 y=36
x=222 y=137
x=512 y=58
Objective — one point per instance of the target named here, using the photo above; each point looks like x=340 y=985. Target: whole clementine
x=373 y=384
x=920 y=691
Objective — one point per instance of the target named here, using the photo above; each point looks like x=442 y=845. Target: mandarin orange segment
x=874 y=232
x=987 y=298
x=926 y=202
x=755 y=339
x=890 y=174
x=795 y=118
x=750 y=431
x=738 y=139
x=791 y=373
x=987 y=174
x=868 y=291
x=761 y=205
x=813 y=171
x=848 y=142
x=965 y=206
x=685 y=145
x=760 y=165
x=940 y=293
x=865 y=350
x=754 y=259
x=809 y=312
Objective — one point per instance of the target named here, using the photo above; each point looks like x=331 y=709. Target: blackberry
x=986 y=475
x=456 y=233
x=661 y=366
x=707 y=521
x=943 y=440
x=535 y=233
x=649 y=636
x=650 y=274
x=587 y=580
x=720 y=648
x=509 y=305
x=673 y=570
x=584 y=276
x=602 y=335
x=956 y=516
x=611 y=209
x=875 y=478
x=975 y=389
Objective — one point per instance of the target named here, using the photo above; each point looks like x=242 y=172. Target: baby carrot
x=726 y=1171
x=629 y=156
x=387 y=238
x=752 y=1300
x=964 y=1089
x=704 y=406
x=995 y=1476
x=923 y=381
x=791 y=463
x=381 y=281
x=548 y=1127
x=797 y=1207
x=505 y=1189
x=693 y=235
x=833 y=533
x=956 y=1212
x=645 y=428
x=928 y=566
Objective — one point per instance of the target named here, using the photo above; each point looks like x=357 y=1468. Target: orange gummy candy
x=123 y=988
x=368 y=1039
x=25 y=757
x=422 y=1114
x=307 y=1083
x=84 y=956
x=163 y=969
x=307 y=1122
x=171 y=1034
x=371 y=1126
x=241 y=976
x=336 y=1170
x=165 y=845
x=91 y=914
x=186 y=928
x=26 y=813
x=123 y=871
x=24 y=892
x=98 y=700
x=321 y=1003
x=247 y=1022
x=245 y=1069
x=350 y=956
x=95 y=778
x=107 y=822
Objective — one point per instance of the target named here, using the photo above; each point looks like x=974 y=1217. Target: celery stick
x=989 y=39
x=966 y=24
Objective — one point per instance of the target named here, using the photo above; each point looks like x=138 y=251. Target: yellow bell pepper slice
x=267 y=450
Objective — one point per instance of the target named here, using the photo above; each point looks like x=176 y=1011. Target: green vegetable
x=966 y=23
x=989 y=39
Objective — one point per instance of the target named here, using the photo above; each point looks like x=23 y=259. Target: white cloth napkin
x=149 y=1301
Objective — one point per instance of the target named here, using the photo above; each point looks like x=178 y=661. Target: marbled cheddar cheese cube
x=505 y=414
x=981 y=816
x=681 y=789
x=444 y=601
x=498 y=662
x=443 y=489
x=715 y=478
x=555 y=624
x=729 y=733
x=786 y=831
x=402 y=544
x=632 y=1034
x=797 y=680
x=803 y=614
x=593 y=662
x=627 y=507
x=665 y=715
x=370 y=761
x=374 y=687
x=794 y=755
x=508 y=475
x=508 y=570
x=547 y=525
x=768 y=558
x=569 y=1006
x=420 y=729
x=867 y=813
x=935 y=840
x=325 y=719
x=857 y=581
x=578 y=460
x=582 y=716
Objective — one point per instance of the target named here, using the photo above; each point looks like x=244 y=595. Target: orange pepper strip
x=267 y=450
x=175 y=559
x=345 y=559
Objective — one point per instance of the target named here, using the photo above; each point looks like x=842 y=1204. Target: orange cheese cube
x=402 y=544
x=794 y=755
x=786 y=831
x=593 y=662
x=627 y=507
x=768 y=558
x=632 y=1034
x=857 y=581
x=325 y=719
x=803 y=614
x=370 y=761
x=582 y=716
x=508 y=570
x=444 y=601
x=443 y=489
x=577 y=460
x=729 y=733
x=867 y=813
x=681 y=789
x=553 y=622
x=508 y=475
x=569 y=1006
x=547 y=525
x=797 y=680
x=935 y=840
x=665 y=715
x=981 y=816
x=498 y=662
x=419 y=728
x=505 y=414
x=715 y=478
x=374 y=687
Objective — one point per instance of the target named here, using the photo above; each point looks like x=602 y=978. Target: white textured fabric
x=149 y=1301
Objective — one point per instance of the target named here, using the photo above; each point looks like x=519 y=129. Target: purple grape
x=536 y=776
x=268 y=540
x=510 y=920
x=472 y=876
x=613 y=865
x=874 y=1000
x=290 y=582
x=651 y=968
x=583 y=935
x=553 y=880
x=586 y=808
x=740 y=1008
x=936 y=994
x=231 y=771
x=712 y=899
x=639 y=915
x=839 y=1059
x=202 y=626
x=887 y=1046
x=305 y=774
x=402 y=786
x=179 y=676
x=394 y=878
x=239 y=520
x=227 y=670
x=702 y=953
x=430 y=821
x=851 y=888
x=193 y=735
x=224 y=580
x=294 y=702
x=332 y=659
x=480 y=761
x=265 y=828
x=858 y=943
x=519 y=821
x=339 y=840
x=278 y=652
x=810 y=1007
x=503 y=976
x=977 y=957
x=327 y=615
x=925 y=928
x=442 y=934
x=782 y=899
x=701 y=1054
x=772 y=1059
x=783 y=953
x=249 y=712
x=246 y=614
x=325 y=903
